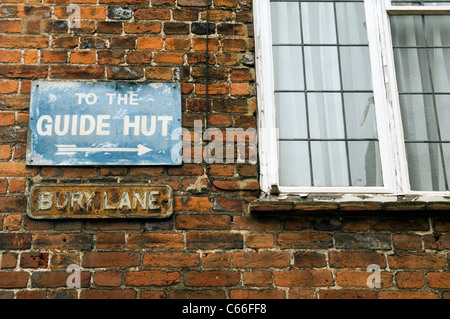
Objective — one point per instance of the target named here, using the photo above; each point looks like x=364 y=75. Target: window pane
x=425 y=167
x=419 y=119
x=353 y=60
x=287 y=28
x=318 y=23
x=329 y=161
x=294 y=163
x=288 y=68
x=291 y=115
x=440 y=69
x=407 y=31
x=351 y=23
x=437 y=30
x=412 y=70
x=322 y=68
x=325 y=115
x=365 y=163
x=360 y=115
x=443 y=110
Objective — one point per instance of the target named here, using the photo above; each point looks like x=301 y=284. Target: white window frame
x=387 y=110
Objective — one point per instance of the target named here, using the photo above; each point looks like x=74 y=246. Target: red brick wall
x=211 y=247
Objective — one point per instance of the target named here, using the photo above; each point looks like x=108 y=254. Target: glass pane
x=365 y=163
x=288 y=68
x=354 y=63
x=285 y=22
x=407 y=31
x=325 y=115
x=294 y=164
x=322 y=68
x=443 y=110
x=291 y=115
x=437 y=30
x=412 y=70
x=360 y=115
x=318 y=23
x=425 y=167
x=440 y=69
x=351 y=23
x=419 y=119
x=329 y=160
x=446 y=150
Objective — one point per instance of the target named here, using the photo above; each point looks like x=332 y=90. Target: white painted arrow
x=72 y=149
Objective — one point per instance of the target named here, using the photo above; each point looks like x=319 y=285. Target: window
x=354 y=96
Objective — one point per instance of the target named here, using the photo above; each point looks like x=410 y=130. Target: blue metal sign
x=104 y=123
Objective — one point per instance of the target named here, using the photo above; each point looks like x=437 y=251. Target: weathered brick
x=197 y=294
x=257 y=278
x=347 y=294
x=12 y=204
x=151 y=278
x=110 y=240
x=108 y=293
x=437 y=241
x=23 y=41
x=152 y=14
x=214 y=241
x=417 y=261
x=34 y=260
x=258 y=241
x=407 y=241
x=407 y=295
x=171 y=260
x=363 y=241
x=125 y=72
x=142 y=27
x=108 y=278
x=23 y=71
x=256 y=223
x=309 y=260
x=304 y=240
x=8 y=87
x=8 y=260
x=257 y=294
x=358 y=278
x=211 y=278
x=438 y=280
x=157 y=241
x=10 y=241
x=203 y=222
x=216 y=260
x=303 y=278
x=13 y=279
x=197 y=204
x=111 y=259
x=263 y=259
x=347 y=259
x=63 y=241
x=56 y=279
x=409 y=279
x=77 y=72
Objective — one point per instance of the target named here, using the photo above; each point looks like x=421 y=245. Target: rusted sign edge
x=158 y=215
